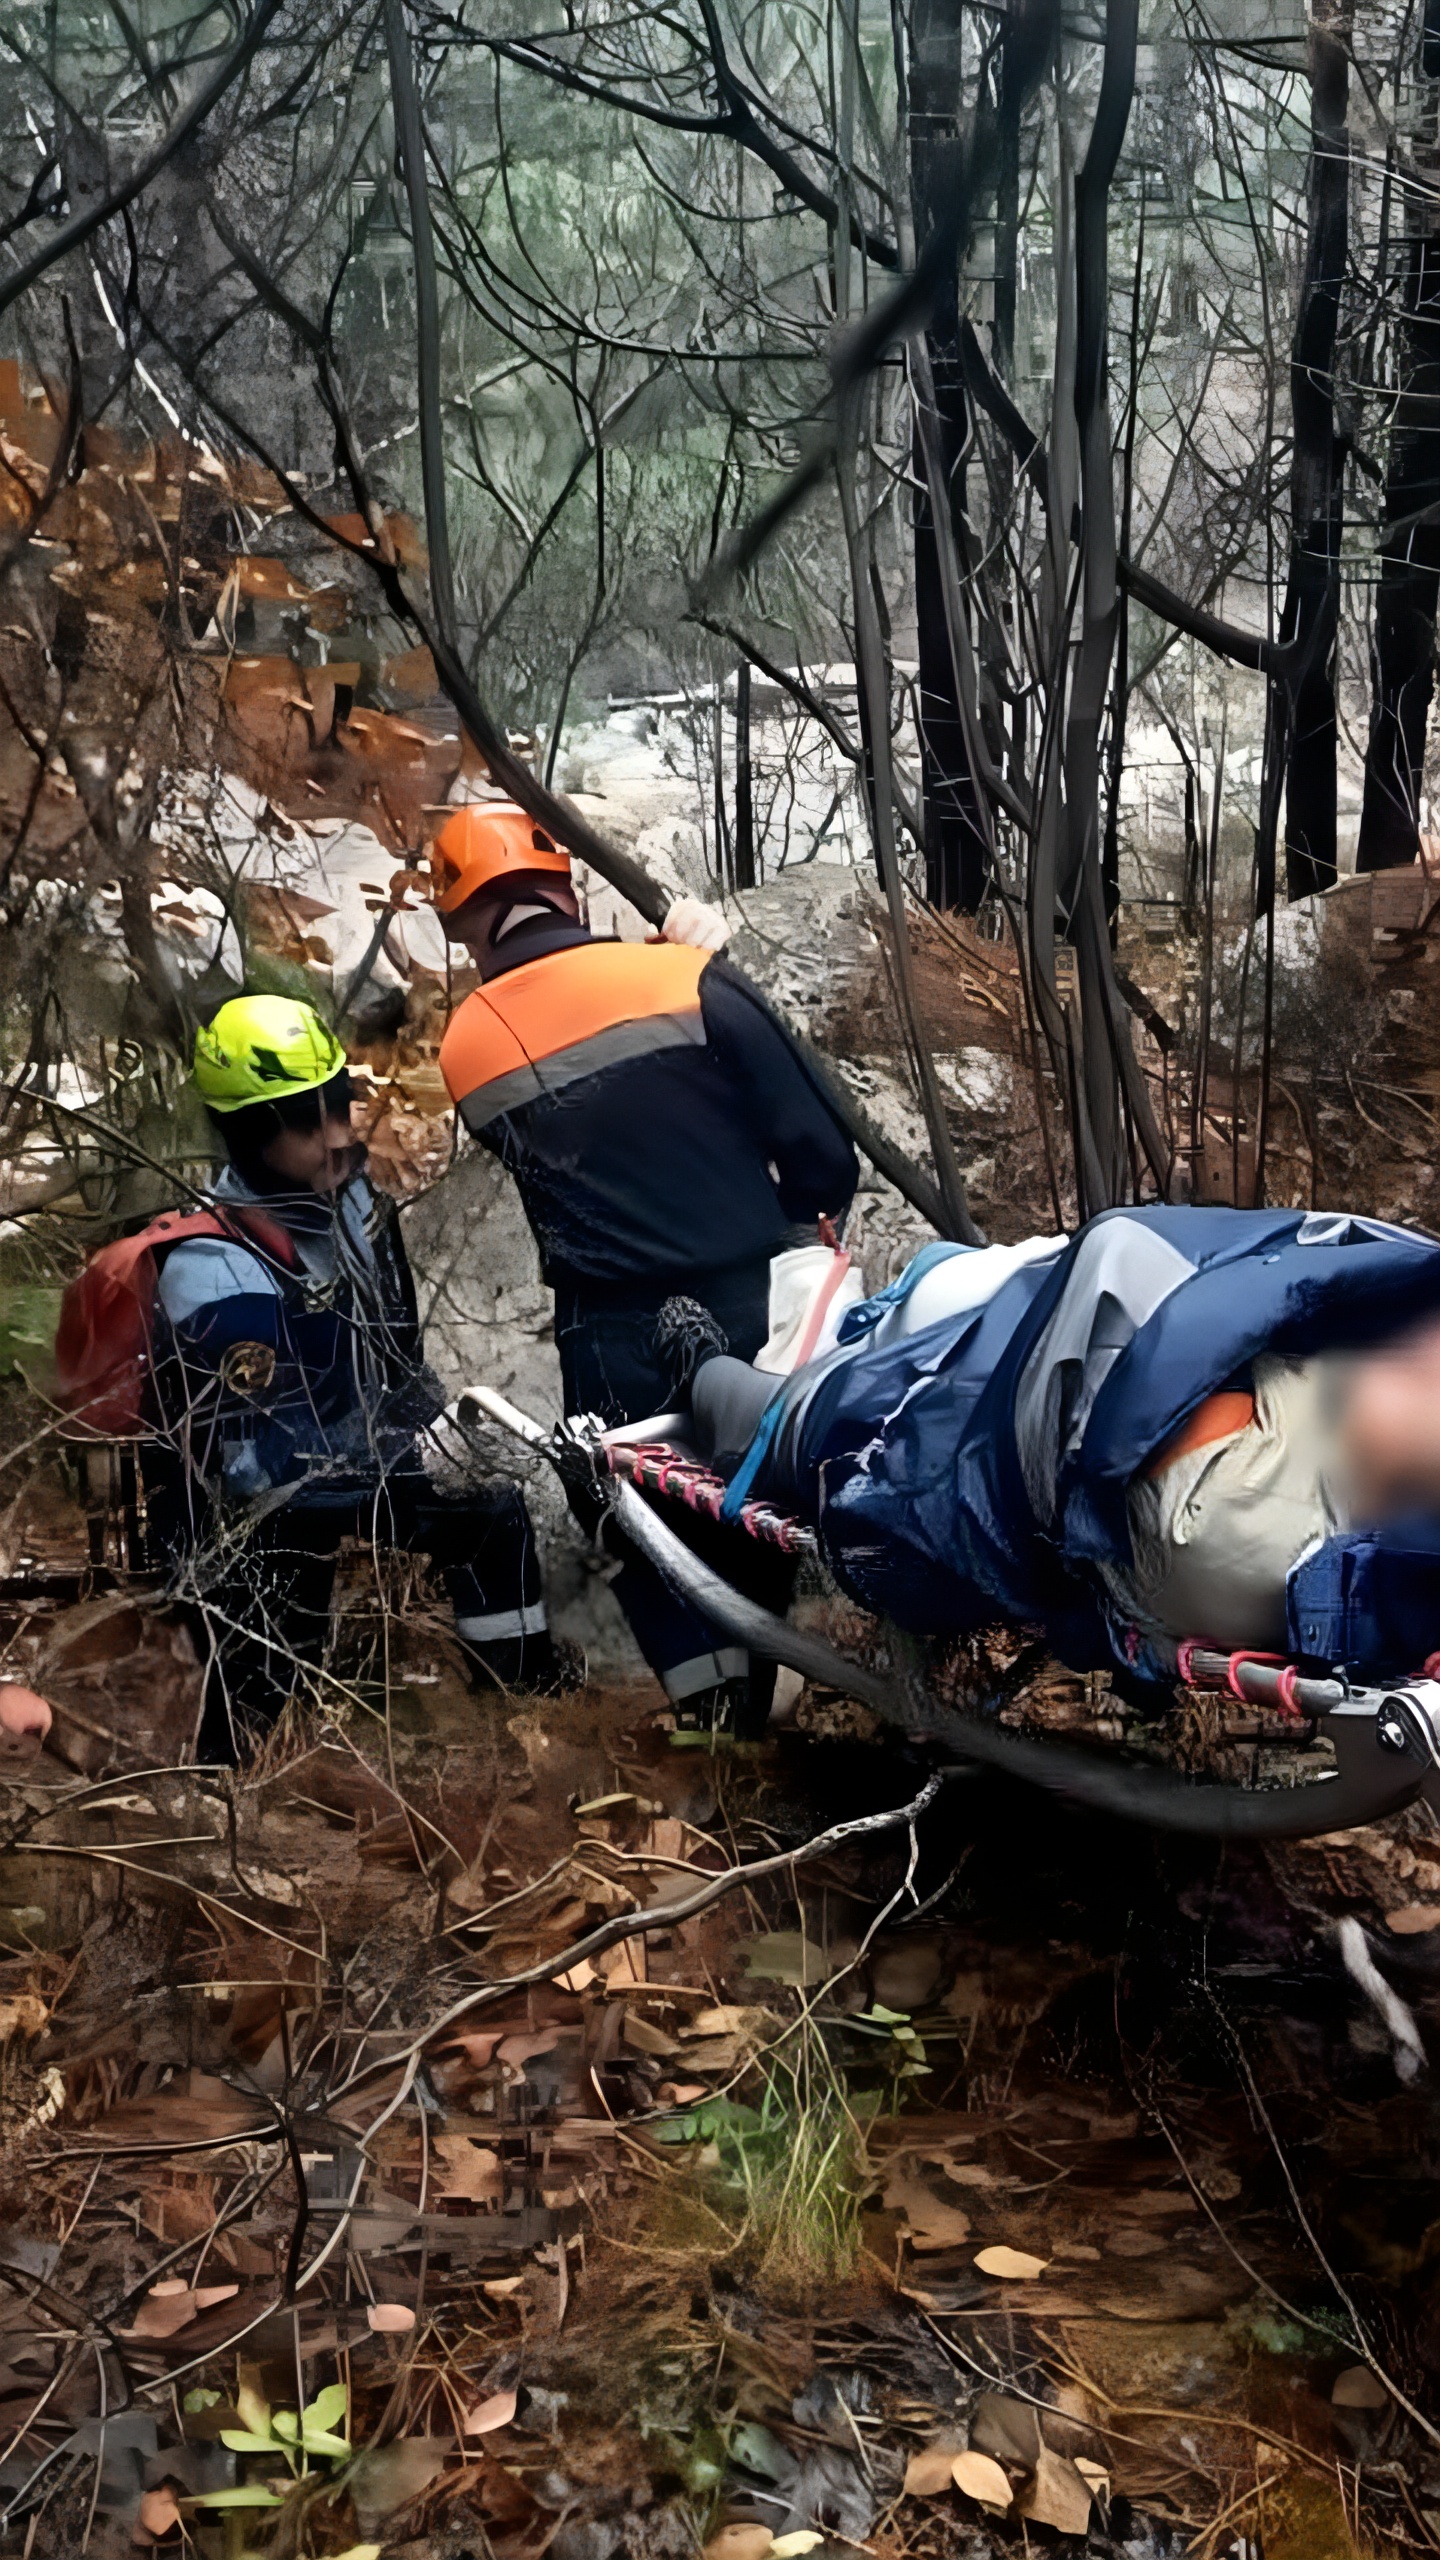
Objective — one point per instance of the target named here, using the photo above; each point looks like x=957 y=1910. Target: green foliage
x=296 y=2438
x=790 y=2170
x=902 y=2051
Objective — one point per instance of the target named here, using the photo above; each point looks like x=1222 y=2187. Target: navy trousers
x=262 y=1609
x=609 y=1365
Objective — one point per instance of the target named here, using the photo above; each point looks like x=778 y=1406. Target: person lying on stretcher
x=1180 y=1423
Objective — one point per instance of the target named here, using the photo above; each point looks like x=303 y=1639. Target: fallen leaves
x=23 y=2014
x=172 y=2305
x=936 y=2469
x=390 y=2319
x=754 y=2542
x=929 y=2473
x=387 y=2476
x=465 y=2170
x=158 y=2512
x=929 y=2222
x=977 y=2477
x=739 y=2542
x=1358 y=2388
x=1006 y=2437
x=1007 y=2428
x=1012 y=2266
x=489 y=2414
x=1057 y=2494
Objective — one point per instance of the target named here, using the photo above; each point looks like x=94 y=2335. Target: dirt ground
x=997 y=2182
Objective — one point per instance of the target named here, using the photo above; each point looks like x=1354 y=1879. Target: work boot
x=730 y=1707
x=686 y=1335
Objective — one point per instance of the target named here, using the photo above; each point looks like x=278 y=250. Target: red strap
x=1289 y=1703
x=1247 y=1653
x=824 y=1300
x=255 y=1226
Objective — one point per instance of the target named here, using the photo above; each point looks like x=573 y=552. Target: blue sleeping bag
x=978 y=1467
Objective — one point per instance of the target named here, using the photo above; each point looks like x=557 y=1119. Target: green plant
x=793 y=2165
x=296 y=2438
x=902 y=2052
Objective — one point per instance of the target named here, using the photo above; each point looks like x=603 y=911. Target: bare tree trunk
x=411 y=141
x=1113 y=1089
x=956 y=847
x=743 y=852
x=1402 y=649
x=1317 y=477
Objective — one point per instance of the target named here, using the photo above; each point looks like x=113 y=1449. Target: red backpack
x=107 y=1317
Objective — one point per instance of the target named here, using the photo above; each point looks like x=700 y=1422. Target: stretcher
x=1385 y=1741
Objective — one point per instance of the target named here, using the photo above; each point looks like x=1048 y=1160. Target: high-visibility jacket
x=657 y=1120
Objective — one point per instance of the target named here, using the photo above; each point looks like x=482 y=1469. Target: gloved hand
x=690 y=921
x=458 y=1448
x=575 y=1454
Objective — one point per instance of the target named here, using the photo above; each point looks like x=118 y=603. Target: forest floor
x=1006 y=2182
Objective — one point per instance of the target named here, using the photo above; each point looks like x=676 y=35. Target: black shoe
x=686 y=1335
x=730 y=1707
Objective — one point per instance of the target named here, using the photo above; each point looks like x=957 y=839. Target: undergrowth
x=787 y=2172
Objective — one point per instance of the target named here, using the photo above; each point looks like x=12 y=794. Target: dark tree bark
x=1402 y=647
x=1317 y=474
x=1110 y=1084
x=410 y=138
x=743 y=854
x=956 y=858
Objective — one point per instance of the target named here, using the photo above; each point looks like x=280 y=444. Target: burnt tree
x=1402 y=642
x=1311 y=609
x=956 y=854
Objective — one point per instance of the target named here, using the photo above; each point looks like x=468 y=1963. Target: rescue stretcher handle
x=1373 y=1776
x=1370 y=1780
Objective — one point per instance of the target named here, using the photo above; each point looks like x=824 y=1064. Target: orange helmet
x=481 y=844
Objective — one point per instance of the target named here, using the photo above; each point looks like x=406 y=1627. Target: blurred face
x=475 y=922
x=1390 y=1433
x=317 y=1157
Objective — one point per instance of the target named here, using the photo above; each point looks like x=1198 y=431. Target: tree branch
x=636 y=1924
x=81 y=226
x=427 y=315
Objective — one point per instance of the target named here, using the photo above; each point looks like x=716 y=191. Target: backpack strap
x=255 y=1229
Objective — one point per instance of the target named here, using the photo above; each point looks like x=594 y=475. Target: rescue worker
x=666 y=1137
x=292 y=1394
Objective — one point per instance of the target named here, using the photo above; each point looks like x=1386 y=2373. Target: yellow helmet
x=261 y=1049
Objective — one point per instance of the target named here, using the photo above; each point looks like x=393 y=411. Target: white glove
x=691 y=921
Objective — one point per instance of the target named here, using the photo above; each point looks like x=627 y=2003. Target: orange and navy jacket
x=657 y=1120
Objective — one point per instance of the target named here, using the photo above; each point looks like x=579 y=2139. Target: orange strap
x=1218 y=1418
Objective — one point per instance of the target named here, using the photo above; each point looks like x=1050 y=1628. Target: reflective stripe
x=547 y=1008
x=528 y=1621
x=612 y=1048
x=704 y=1671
